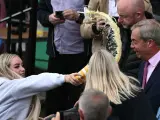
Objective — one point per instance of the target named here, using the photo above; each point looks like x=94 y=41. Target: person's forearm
x=34 y=84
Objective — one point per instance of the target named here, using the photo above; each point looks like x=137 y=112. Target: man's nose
x=132 y=46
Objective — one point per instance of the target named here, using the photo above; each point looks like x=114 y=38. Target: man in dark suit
x=145 y=39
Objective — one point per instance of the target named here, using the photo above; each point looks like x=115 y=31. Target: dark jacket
x=137 y=108
x=155 y=6
x=156 y=9
x=152 y=88
x=129 y=63
x=44 y=10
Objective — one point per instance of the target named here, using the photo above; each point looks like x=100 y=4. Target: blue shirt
x=67 y=36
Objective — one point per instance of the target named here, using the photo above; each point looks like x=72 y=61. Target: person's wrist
x=66 y=79
x=80 y=18
x=77 y=16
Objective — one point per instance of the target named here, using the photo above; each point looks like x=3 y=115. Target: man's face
x=138 y=45
x=127 y=18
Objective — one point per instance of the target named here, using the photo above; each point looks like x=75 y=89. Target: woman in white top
x=17 y=92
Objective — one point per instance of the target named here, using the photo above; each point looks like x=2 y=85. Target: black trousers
x=65 y=96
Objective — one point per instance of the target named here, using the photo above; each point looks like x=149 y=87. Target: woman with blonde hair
x=18 y=95
x=127 y=98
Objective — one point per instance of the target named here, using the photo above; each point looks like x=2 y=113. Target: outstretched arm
x=32 y=85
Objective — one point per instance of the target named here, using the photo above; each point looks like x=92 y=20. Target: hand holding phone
x=54 y=20
x=59 y=14
x=71 y=114
x=71 y=14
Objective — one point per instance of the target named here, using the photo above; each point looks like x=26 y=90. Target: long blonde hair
x=105 y=75
x=5 y=71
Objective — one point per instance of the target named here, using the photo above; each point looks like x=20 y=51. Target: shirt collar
x=155 y=59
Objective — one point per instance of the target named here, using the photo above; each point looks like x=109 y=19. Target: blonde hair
x=5 y=71
x=104 y=75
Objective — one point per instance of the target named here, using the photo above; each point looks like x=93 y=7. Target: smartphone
x=69 y=115
x=59 y=14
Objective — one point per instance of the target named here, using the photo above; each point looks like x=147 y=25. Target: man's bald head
x=131 y=5
x=130 y=11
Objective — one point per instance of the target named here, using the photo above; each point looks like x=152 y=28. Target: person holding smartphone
x=93 y=105
x=65 y=48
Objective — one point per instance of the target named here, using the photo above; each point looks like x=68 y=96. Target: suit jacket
x=134 y=108
x=152 y=88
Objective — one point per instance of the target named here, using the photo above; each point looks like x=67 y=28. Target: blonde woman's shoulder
x=3 y=79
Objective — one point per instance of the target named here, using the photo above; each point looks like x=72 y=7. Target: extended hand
x=71 y=78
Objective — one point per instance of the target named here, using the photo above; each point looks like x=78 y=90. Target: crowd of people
x=125 y=90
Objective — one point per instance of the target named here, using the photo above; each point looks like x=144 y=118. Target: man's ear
x=81 y=114
x=151 y=43
x=138 y=15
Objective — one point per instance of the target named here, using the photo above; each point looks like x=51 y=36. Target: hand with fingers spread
x=71 y=14
x=71 y=78
x=54 y=20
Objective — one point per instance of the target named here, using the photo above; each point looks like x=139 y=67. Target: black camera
x=59 y=14
x=71 y=114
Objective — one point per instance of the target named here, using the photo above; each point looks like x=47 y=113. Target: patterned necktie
x=145 y=74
